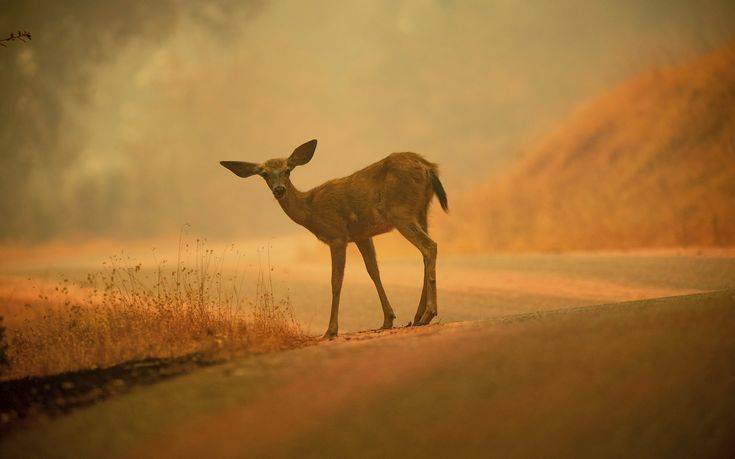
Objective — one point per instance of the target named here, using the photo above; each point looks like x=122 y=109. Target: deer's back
x=368 y=201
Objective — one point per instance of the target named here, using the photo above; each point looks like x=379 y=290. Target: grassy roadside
x=126 y=313
x=75 y=342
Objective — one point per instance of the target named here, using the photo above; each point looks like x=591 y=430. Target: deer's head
x=276 y=171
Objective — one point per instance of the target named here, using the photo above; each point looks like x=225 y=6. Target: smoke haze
x=115 y=115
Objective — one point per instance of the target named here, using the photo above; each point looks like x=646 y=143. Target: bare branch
x=21 y=35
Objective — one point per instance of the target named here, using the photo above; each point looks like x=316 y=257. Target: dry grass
x=125 y=312
x=648 y=164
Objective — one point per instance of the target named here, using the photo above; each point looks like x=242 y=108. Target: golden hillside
x=649 y=164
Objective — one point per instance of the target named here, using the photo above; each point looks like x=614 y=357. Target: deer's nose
x=278 y=191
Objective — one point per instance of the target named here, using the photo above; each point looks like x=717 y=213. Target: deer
x=393 y=193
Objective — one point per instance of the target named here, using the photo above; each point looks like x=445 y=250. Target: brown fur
x=394 y=192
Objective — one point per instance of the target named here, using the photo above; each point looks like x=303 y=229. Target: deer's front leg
x=367 y=249
x=338 y=270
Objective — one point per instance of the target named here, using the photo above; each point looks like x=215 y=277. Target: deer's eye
x=286 y=172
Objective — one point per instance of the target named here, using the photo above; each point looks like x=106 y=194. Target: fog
x=115 y=115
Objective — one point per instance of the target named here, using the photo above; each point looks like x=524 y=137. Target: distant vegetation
x=127 y=313
x=648 y=164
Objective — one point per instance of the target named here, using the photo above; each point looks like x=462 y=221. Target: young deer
x=394 y=192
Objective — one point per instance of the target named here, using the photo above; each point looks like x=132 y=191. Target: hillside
x=650 y=163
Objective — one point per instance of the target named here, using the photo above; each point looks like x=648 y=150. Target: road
x=532 y=365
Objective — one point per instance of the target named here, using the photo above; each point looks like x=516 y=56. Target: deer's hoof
x=330 y=334
x=426 y=318
x=387 y=324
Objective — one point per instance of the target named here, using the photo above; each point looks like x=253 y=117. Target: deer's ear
x=241 y=168
x=302 y=154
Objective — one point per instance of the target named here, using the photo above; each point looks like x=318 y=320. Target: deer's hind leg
x=367 y=249
x=413 y=231
x=422 y=302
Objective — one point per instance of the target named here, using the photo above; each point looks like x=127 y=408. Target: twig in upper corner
x=21 y=35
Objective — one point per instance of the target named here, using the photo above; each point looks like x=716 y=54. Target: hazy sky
x=114 y=116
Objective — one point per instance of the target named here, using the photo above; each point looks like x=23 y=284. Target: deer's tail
x=438 y=188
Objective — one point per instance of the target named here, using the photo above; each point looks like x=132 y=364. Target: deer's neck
x=294 y=204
